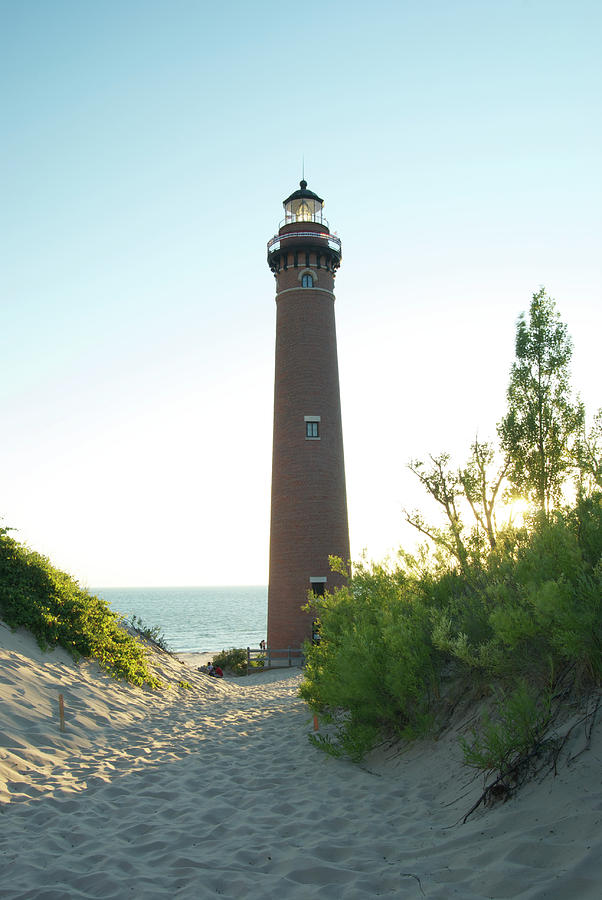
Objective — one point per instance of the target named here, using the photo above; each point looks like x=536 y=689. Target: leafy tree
x=477 y=484
x=588 y=457
x=542 y=422
x=481 y=489
x=445 y=486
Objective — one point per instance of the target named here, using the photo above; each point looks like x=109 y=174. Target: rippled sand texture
x=216 y=792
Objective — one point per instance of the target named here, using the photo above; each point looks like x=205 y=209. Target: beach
x=213 y=790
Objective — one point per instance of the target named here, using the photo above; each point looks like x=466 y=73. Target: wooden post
x=248 y=659
x=315 y=723
x=61 y=712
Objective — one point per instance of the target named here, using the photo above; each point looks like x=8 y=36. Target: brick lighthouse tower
x=309 y=500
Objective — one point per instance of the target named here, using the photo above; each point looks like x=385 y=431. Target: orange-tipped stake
x=315 y=723
x=62 y=712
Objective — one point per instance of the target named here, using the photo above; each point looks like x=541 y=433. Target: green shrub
x=52 y=605
x=541 y=600
x=152 y=633
x=375 y=669
x=531 y=604
x=235 y=660
x=521 y=721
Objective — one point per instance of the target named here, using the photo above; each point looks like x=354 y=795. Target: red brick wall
x=309 y=505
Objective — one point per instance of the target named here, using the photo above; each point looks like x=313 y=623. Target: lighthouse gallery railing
x=331 y=239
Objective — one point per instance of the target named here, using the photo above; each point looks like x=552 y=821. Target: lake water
x=196 y=619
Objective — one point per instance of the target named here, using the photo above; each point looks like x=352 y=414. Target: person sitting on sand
x=217 y=671
x=210 y=669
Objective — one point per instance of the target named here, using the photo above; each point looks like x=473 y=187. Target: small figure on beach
x=262 y=645
x=214 y=671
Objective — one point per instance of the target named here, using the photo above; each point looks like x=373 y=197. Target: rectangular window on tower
x=312 y=428
x=317 y=584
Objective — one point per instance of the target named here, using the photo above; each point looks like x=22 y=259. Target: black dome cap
x=303 y=194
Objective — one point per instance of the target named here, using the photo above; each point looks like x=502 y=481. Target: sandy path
x=216 y=792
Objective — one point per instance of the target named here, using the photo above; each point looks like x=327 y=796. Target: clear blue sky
x=145 y=152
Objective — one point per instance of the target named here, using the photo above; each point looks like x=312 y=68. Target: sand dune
x=216 y=792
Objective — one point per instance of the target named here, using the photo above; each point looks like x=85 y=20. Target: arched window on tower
x=307 y=281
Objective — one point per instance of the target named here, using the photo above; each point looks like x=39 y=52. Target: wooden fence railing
x=274 y=658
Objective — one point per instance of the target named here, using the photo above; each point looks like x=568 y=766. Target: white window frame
x=316 y=419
